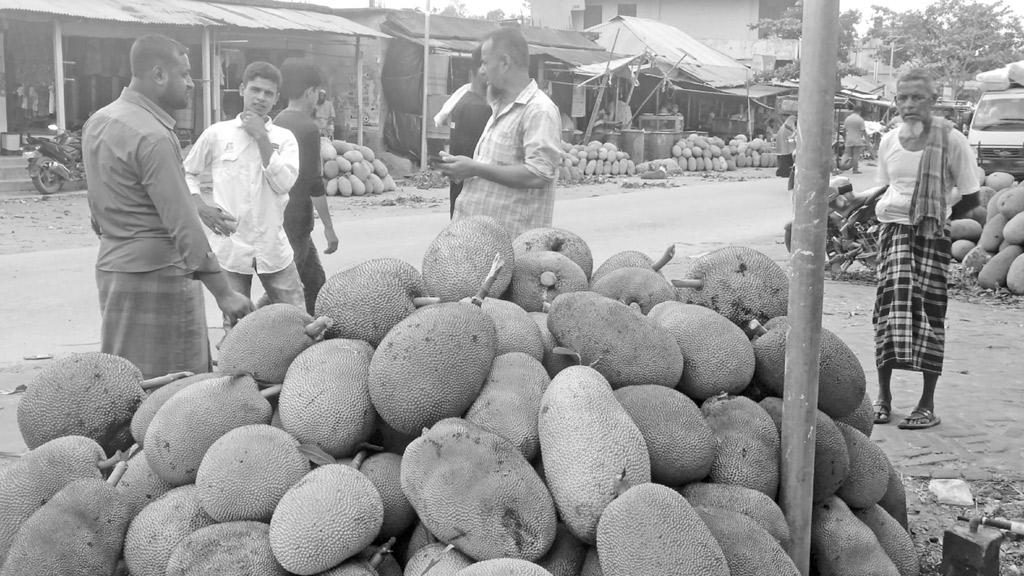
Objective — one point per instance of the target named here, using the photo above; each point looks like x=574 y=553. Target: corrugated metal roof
x=474 y=29
x=670 y=45
x=194 y=13
x=759 y=91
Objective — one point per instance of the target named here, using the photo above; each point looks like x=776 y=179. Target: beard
x=912 y=127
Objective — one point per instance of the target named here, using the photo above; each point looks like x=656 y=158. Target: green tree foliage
x=790 y=26
x=953 y=39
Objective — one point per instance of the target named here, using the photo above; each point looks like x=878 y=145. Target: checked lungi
x=910 y=305
x=156 y=320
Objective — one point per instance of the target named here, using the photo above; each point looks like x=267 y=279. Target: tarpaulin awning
x=574 y=56
x=758 y=91
x=599 y=68
x=194 y=13
x=670 y=47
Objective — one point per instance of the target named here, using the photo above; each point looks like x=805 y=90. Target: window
x=577 y=19
x=592 y=16
x=627 y=10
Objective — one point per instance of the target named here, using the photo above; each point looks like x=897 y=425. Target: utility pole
x=426 y=88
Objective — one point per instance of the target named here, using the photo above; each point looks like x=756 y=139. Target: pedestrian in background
x=301 y=83
x=468 y=119
x=324 y=114
x=254 y=164
x=511 y=177
x=855 y=140
x=154 y=256
x=928 y=168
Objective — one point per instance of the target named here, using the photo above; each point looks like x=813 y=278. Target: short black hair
x=264 y=70
x=299 y=75
x=152 y=50
x=510 y=40
x=476 y=58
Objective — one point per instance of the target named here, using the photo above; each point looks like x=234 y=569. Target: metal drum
x=632 y=143
x=658 y=145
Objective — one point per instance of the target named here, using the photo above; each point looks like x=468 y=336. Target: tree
x=953 y=39
x=454 y=8
x=496 y=15
x=789 y=26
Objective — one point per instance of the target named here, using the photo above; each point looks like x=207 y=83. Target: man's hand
x=234 y=305
x=332 y=241
x=254 y=125
x=216 y=218
x=457 y=168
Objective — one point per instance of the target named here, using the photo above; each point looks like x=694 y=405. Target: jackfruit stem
x=548 y=278
x=667 y=257
x=689 y=283
x=358 y=459
x=545 y=307
x=756 y=328
x=271 y=392
x=621 y=484
x=371 y=447
x=118 y=472
x=164 y=380
x=437 y=560
x=384 y=550
x=118 y=456
x=422 y=301
x=317 y=328
x=496 y=266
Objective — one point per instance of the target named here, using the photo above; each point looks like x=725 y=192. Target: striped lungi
x=156 y=320
x=910 y=304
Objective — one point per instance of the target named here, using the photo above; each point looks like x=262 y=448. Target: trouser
x=852 y=153
x=311 y=271
x=283 y=286
x=454 y=189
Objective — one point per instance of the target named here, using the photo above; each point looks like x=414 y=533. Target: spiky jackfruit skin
x=868 y=478
x=140 y=484
x=528 y=289
x=515 y=330
x=264 y=343
x=841 y=545
x=751 y=503
x=228 y=549
x=509 y=402
x=831 y=459
x=748 y=444
x=895 y=540
x=642 y=286
x=626 y=259
x=449 y=562
x=740 y=283
x=749 y=549
x=555 y=240
x=158 y=529
x=503 y=567
x=144 y=414
x=458 y=260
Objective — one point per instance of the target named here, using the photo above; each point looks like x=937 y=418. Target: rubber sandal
x=883 y=412
x=920 y=418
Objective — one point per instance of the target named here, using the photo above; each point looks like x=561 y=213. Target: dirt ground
x=982 y=319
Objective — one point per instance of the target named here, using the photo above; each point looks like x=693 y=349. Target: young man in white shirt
x=254 y=165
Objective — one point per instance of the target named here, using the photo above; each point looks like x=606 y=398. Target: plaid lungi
x=156 y=320
x=910 y=304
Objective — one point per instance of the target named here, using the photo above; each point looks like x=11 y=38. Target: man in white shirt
x=254 y=164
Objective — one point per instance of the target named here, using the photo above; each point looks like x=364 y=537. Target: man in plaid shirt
x=511 y=176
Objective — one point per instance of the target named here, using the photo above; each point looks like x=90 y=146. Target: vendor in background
x=785 y=146
x=324 y=115
x=618 y=113
x=856 y=139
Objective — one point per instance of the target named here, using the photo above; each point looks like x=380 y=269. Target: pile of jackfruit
x=505 y=409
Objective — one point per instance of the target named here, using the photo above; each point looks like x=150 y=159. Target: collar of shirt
x=268 y=122
x=129 y=94
x=524 y=97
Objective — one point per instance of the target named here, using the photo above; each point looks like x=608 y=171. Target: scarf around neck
x=928 y=205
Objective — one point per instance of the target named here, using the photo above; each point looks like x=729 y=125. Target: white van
x=997 y=131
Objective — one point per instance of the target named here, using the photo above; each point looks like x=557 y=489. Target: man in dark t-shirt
x=300 y=83
x=469 y=117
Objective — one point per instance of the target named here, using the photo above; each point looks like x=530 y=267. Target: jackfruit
x=32 y=480
x=540 y=277
x=157 y=530
x=509 y=402
x=555 y=240
x=739 y=283
x=748 y=444
x=229 y=549
x=553 y=361
x=751 y=503
x=193 y=419
x=863 y=418
x=448 y=561
x=140 y=484
x=503 y=567
x=651 y=529
x=894 y=539
x=264 y=343
x=144 y=414
x=458 y=259
x=868 y=478
x=416 y=540
x=588 y=442
x=515 y=330
x=367 y=300
x=841 y=545
x=384 y=472
x=432 y=365
x=831 y=460
x=473 y=488
x=80 y=532
x=894 y=502
x=92 y=395
x=680 y=443
x=749 y=549
x=592 y=563
x=325 y=399
x=246 y=472
x=326 y=518
x=622 y=344
x=632 y=259
x=718 y=356
x=641 y=286
x=566 y=556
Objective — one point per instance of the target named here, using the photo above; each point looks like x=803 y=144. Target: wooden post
x=600 y=91
x=803 y=345
x=207 y=79
x=424 y=164
x=359 y=90
x=216 y=76
x=58 y=74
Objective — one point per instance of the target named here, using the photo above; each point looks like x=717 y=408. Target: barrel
x=633 y=144
x=658 y=145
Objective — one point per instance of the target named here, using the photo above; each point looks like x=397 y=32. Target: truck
x=997 y=126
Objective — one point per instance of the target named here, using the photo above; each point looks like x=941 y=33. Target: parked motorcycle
x=52 y=162
x=852 y=235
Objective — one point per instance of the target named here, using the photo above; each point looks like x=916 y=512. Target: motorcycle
x=852 y=233
x=52 y=162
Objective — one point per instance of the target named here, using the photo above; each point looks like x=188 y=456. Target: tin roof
x=194 y=13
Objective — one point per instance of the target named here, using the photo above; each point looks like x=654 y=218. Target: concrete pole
x=800 y=399
x=424 y=164
x=215 y=83
x=207 y=79
x=58 y=73
x=359 y=90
